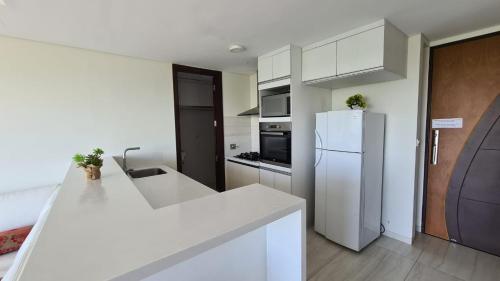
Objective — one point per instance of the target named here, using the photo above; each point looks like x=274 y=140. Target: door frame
x=218 y=118
x=428 y=114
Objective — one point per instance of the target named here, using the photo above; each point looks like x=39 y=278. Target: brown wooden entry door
x=464 y=83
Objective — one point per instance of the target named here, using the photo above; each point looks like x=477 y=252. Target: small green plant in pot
x=356 y=101
x=92 y=163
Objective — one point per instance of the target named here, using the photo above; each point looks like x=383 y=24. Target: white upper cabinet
x=265 y=67
x=360 y=52
x=274 y=65
x=319 y=62
x=369 y=54
x=281 y=65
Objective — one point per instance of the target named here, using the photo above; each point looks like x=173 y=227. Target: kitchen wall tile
x=237 y=130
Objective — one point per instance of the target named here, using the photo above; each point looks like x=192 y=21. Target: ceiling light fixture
x=235 y=48
x=2 y=3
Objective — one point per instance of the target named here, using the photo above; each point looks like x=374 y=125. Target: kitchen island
x=110 y=230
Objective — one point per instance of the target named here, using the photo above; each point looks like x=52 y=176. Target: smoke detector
x=235 y=48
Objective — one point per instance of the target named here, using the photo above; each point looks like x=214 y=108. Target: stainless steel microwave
x=277 y=105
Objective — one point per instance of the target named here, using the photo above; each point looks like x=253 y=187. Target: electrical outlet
x=233 y=146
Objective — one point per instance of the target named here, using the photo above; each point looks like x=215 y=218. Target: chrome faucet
x=125 y=157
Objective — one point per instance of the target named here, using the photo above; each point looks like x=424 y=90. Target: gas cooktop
x=252 y=156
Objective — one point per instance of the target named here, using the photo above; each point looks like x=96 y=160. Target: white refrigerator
x=348 y=187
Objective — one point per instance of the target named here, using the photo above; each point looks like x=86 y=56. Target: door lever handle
x=435 y=147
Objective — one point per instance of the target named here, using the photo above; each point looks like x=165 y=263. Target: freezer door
x=320 y=192
x=321 y=131
x=345 y=130
x=343 y=197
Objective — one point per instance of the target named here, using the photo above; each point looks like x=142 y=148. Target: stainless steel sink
x=142 y=173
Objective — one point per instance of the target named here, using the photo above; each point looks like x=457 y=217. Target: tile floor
x=428 y=259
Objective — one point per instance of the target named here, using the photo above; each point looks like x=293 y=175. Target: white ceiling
x=198 y=32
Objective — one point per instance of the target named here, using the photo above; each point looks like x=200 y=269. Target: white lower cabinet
x=266 y=177
x=283 y=182
x=238 y=175
x=276 y=180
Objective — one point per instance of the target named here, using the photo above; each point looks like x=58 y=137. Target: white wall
x=419 y=173
x=462 y=36
x=237 y=129
x=399 y=100
x=236 y=89
x=56 y=101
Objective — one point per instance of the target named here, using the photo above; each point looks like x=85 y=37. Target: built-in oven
x=276 y=143
x=275 y=105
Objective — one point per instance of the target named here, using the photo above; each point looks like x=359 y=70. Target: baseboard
x=404 y=239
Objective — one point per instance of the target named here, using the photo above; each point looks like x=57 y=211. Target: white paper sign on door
x=447 y=123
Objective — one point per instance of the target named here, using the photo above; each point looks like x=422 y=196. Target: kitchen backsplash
x=237 y=130
x=254 y=120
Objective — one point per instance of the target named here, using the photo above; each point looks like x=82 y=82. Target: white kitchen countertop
x=170 y=188
x=107 y=230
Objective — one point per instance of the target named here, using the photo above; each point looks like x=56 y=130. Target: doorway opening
x=199 y=124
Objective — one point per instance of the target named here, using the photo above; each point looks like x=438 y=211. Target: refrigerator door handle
x=321 y=149
x=320 y=140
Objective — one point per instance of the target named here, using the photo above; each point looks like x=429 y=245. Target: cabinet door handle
x=435 y=147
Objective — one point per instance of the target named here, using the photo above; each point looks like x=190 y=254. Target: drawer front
x=232 y=172
x=249 y=175
x=283 y=182
x=266 y=178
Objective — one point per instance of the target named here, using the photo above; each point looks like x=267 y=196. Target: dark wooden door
x=464 y=83
x=199 y=125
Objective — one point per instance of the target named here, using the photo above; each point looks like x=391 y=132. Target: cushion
x=21 y=208
x=11 y=240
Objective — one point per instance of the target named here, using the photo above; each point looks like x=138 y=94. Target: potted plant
x=356 y=101
x=92 y=163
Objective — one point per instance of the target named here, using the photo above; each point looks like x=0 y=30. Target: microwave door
x=274 y=106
